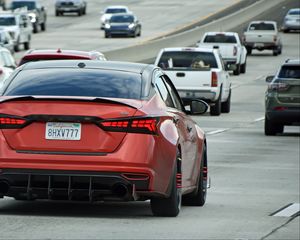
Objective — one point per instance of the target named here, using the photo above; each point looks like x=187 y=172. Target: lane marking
x=259 y=119
x=288 y=211
x=217 y=131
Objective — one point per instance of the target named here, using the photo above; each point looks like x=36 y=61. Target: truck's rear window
x=262 y=26
x=188 y=60
x=219 y=38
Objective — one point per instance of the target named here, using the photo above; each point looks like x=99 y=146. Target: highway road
x=252 y=175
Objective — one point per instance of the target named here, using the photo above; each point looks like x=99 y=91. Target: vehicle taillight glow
x=11 y=121
x=135 y=125
x=278 y=86
x=214 y=79
x=280 y=108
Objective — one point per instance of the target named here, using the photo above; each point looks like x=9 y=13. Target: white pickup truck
x=198 y=73
x=233 y=52
x=262 y=35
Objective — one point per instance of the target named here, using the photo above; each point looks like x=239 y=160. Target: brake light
x=214 y=79
x=8 y=121
x=278 y=86
x=234 y=51
x=1 y=71
x=279 y=108
x=135 y=125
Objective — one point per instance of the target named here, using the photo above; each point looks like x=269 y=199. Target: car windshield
x=28 y=4
x=7 y=21
x=122 y=19
x=290 y=72
x=262 y=26
x=219 y=38
x=115 y=10
x=294 y=12
x=187 y=60
x=75 y=82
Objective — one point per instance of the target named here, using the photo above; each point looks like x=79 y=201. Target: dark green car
x=283 y=98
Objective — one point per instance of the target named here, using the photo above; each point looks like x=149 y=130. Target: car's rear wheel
x=215 y=110
x=272 y=128
x=43 y=26
x=27 y=45
x=243 y=67
x=79 y=12
x=225 y=108
x=249 y=50
x=198 y=197
x=170 y=206
x=237 y=70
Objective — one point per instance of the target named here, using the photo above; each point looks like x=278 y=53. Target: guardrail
x=150 y=49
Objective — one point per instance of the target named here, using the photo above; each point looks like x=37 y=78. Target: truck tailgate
x=260 y=36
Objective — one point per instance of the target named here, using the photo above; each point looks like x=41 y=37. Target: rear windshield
x=262 y=26
x=115 y=10
x=75 y=82
x=219 y=38
x=28 y=4
x=187 y=60
x=294 y=12
x=7 y=21
x=290 y=72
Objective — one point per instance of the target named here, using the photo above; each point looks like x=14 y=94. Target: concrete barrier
x=150 y=49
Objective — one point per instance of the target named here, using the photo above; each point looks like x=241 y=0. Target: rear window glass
x=76 y=82
x=115 y=10
x=121 y=19
x=187 y=60
x=7 y=21
x=290 y=72
x=219 y=38
x=294 y=12
x=262 y=26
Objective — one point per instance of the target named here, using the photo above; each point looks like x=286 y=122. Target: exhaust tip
x=4 y=187
x=120 y=190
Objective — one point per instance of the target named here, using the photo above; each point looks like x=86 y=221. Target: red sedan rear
x=97 y=130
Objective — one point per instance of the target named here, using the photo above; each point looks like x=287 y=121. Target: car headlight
x=131 y=25
x=107 y=26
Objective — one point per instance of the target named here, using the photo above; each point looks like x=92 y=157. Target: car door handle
x=189 y=129
x=180 y=74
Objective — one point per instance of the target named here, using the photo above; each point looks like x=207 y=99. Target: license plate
x=63 y=131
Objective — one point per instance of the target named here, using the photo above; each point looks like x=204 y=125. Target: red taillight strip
x=135 y=125
x=214 y=79
x=9 y=121
x=178 y=180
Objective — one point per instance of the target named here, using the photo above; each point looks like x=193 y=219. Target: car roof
x=89 y=64
x=263 y=21
x=116 y=6
x=188 y=49
x=292 y=62
x=56 y=52
x=294 y=9
x=23 y=0
x=224 y=33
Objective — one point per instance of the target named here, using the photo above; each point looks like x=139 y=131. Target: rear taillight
x=278 y=86
x=214 y=79
x=8 y=121
x=1 y=71
x=234 y=51
x=134 y=125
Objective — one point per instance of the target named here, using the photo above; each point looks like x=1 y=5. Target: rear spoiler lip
x=55 y=98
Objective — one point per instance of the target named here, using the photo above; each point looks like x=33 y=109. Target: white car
x=109 y=11
x=233 y=52
x=7 y=65
x=19 y=26
x=198 y=73
x=291 y=20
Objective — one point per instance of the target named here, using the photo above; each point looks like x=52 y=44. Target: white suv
x=19 y=26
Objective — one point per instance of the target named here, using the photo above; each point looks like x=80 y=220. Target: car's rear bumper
x=287 y=116
x=209 y=96
x=291 y=26
x=261 y=45
x=68 y=9
x=125 y=32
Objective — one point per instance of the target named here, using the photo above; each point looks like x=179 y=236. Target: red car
x=47 y=54
x=99 y=130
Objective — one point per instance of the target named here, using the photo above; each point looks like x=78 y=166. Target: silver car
x=291 y=20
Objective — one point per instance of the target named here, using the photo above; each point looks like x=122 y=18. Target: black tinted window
x=164 y=93
x=76 y=82
x=187 y=60
x=7 y=21
x=28 y=4
x=219 y=38
x=116 y=10
x=121 y=19
x=294 y=12
x=289 y=72
x=262 y=26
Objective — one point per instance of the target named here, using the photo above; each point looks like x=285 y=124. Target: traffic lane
x=83 y=33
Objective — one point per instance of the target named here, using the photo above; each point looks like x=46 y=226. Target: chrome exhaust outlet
x=4 y=187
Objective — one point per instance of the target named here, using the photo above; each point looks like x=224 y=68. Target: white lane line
x=259 y=119
x=289 y=211
x=259 y=77
x=217 y=131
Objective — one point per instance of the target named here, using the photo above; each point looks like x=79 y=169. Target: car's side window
x=173 y=93
x=163 y=91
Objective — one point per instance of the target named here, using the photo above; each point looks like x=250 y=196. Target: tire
x=17 y=47
x=140 y=32
x=84 y=11
x=26 y=45
x=249 y=50
x=237 y=71
x=79 y=12
x=286 y=30
x=43 y=26
x=57 y=13
x=35 y=28
x=216 y=109
x=225 y=108
x=106 y=35
x=198 y=197
x=243 y=67
x=276 y=51
x=170 y=206
x=271 y=128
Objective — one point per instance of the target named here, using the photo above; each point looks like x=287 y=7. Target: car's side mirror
x=269 y=78
x=197 y=107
